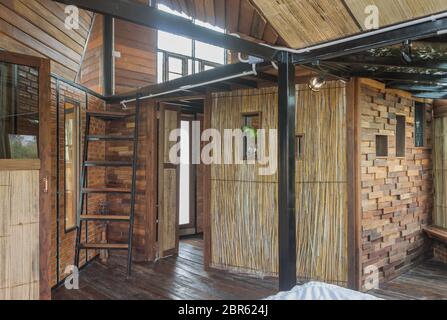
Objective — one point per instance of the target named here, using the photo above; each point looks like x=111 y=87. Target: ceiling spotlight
x=316 y=83
x=407 y=52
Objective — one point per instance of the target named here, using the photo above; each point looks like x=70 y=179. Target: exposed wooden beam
x=416 y=87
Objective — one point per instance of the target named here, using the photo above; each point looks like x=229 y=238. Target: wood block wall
x=62 y=240
x=440 y=251
x=145 y=209
x=396 y=193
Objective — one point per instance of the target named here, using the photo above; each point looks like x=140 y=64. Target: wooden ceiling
x=236 y=16
x=36 y=27
x=306 y=22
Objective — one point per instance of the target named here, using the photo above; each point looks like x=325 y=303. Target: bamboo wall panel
x=244 y=204
x=169 y=211
x=391 y=12
x=19 y=235
x=440 y=172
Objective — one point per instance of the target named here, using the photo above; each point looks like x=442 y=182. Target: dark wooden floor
x=181 y=277
x=427 y=281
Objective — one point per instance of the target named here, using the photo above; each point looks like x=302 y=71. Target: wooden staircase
x=87 y=190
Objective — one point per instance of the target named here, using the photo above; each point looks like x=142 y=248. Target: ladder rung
x=89 y=217
x=110 y=138
x=105 y=190
x=108 y=164
x=109 y=115
x=115 y=246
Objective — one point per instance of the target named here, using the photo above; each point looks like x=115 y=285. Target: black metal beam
x=153 y=18
x=401 y=77
x=417 y=87
x=387 y=62
x=189 y=82
x=431 y=95
x=371 y=40
x=108 y=63
x=286 y=174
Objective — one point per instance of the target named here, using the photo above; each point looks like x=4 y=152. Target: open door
x=168 y=182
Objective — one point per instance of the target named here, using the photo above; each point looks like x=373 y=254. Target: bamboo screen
x=440 y=172
x=244 y=218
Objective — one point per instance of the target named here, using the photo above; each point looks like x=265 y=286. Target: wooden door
x=25 y=177
x=168 y=177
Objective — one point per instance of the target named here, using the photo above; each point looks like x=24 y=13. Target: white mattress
x=321 y=291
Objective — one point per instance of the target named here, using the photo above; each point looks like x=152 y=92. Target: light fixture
x=316 y=83
x=406 y=51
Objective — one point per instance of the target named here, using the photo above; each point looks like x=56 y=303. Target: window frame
x=422 y=105
x=398 y=139
x=244 y=116
x=77 y=110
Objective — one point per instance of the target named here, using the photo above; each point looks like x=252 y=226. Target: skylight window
x=179 y=56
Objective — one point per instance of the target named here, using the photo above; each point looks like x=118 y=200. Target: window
x=180 y=56
x=419 y=125
x=251 y=122
x=299 y=149
x=381 y=146
x=400 y=136
x=71 y=162
x=19 y=112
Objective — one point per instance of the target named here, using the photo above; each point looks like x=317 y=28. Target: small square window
x=251 y=122
x=400 y=136
x=381 y=146
x=419 y=125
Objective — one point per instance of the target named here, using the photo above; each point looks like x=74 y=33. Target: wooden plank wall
x=19 y=235
x=137 y=65
x=243 y=219
x=36 y=27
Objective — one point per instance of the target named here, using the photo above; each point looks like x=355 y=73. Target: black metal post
x=108 y=41
x=286 y=174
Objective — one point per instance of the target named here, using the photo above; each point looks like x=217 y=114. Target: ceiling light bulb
x=316 y=83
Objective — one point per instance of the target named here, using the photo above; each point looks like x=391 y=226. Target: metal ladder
x=85 y=189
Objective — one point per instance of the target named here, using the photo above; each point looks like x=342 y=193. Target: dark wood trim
x=45 y=143
x=207 y=251
x=151 y=180
x=354 y=187
x=24 y=60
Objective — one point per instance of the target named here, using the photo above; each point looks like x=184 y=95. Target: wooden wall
x=62 y=240
x=137 y=65
x=19 y=234
x=146 y=200
x=396 y=192
x=36 y=27
x=243 y=214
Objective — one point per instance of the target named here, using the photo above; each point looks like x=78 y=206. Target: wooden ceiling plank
x=209 y=12
x=232 y=15
x=246 y=14
x=219 y=12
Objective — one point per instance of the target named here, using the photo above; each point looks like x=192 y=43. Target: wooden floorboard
x=184 y=277
x=174 y=278
x=428 y=281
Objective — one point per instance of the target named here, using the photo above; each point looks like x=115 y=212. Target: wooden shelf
x=436 y=233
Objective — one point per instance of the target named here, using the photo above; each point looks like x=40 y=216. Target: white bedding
x=321 y=291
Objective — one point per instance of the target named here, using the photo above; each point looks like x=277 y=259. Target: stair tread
x=105 y=217
x=110 y=137
x=105 y=190
x=104 y=163
x=110 y=115
x=121 y=246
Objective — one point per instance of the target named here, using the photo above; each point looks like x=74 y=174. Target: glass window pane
x=209 y=52
x=72 y=161
x=173 y=76
x=160 y=67
x=19 y=112
x=173 y=43
x=419 y=125
x=175 y=65
x=184 y=174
